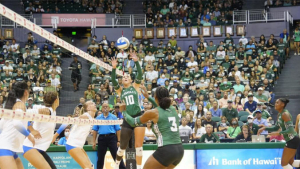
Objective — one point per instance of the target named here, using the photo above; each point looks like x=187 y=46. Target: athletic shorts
x=75 y=77
x=294 y=143
x=169 y=154
x=68 y=147
x=126 y=125
x=25 y=149
x=5 y=152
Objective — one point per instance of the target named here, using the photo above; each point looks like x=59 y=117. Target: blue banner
x=239 y=159
x=63 y=160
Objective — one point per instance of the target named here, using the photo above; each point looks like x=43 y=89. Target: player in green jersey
x=166 y=128
x=285 y=123
x=297 y=41
x=129 y=94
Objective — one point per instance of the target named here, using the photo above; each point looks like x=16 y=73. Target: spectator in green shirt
x=228 y=39
x=173 y=41
x=234 y=129
x=230 y=112
x=209 y=137
x=261 y=98
x=165 y=10
x=225 y=86
x=238 y=86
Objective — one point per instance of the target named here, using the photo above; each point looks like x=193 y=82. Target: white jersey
x=79 y=133
x=10 y=138
x=46 y=130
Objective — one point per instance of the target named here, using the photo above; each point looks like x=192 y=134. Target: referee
x=109 y=137
x=75 y=66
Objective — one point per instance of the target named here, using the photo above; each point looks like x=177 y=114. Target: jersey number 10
x=129 y=100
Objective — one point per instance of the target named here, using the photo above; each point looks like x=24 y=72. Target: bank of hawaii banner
x=239 y=159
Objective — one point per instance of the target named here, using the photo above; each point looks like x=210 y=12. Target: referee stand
x=130 y=154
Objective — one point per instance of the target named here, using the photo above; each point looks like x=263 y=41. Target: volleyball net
x=26 y=24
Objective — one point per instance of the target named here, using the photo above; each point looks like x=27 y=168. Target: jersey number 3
x=129 y=100
x=174 y=125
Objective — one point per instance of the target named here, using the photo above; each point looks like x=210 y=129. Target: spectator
x=243 y=40
x=221 y=52
x=238 y=86
x=192 y=64
x=54 y=81
x=184 y=129
x=149 y=135
x=189 y=119
x=161 y=80
x=129 y=63
x=150 y=57
x=145 y=41
x=7 y=67
x=122 y=54
x=109 y=137
x=190 y=52
x=252 y=127
x=228 y=39
x=230 y=112
x=180 y=53
x=198 y=131
x=30 y=9
x=224 y=102
x=209 y=137
x=209 y=121
x=89 y=94
x=40 y=9
x=261 y=98
x=151 y=74
x=76 y=66
x=234 y=129
x=251 y=105
x=223 y=127
x=63 y=141
x=244 y=136
x=260 y=121
x=173 y=42
x=216 y=112
x=102 y=91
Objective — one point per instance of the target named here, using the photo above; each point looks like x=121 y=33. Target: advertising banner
x=239 y=159
x=63 y=160
x=72 y=20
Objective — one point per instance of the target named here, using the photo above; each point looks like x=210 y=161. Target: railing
x=239 y=17
x=139 y=20
x=255 y=16
x=46 y=22
x=122 y=21
x=5 y=22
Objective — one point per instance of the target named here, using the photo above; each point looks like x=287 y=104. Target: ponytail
x=165 y=102
x=11 y=99
x=162 y=94
x=17 y=92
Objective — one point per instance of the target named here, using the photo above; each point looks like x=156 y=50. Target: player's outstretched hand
x=144 y=91
x=114 y=62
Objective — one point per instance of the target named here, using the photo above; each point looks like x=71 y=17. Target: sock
x=138 y=166
x=117 y=164
x=296 y=163
x=287 y=167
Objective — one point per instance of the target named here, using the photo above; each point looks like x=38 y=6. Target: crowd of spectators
x=73 y=6
x=164 y=13
x=279 y=3
x=217 y=86
x=38 y=66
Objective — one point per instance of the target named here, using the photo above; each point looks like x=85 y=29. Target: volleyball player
x=36 y=154
x=285 y=122
x=13 y=132
x=129 y=95
x=78 y=135
x=166 y=128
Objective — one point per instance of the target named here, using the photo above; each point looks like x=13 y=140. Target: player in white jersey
x=13 y=132
x=36 y=154
x=78 y=135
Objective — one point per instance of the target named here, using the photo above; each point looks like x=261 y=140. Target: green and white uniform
x=131 y=98
x=297 y=36
x=284 y=126
x=166 y=129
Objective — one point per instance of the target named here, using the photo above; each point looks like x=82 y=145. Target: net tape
x=8 y=13
x=29 y=116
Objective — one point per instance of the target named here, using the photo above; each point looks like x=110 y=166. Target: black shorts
x=294 y=143
x=126 y=125
x=170 y=154
x=75 y=77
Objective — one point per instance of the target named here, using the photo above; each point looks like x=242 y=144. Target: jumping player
x=166 y=128
x=285 y=122
x=129 y=95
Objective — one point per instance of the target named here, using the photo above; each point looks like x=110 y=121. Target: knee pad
x=296 y=163
x=120 y=152
x=139 y=151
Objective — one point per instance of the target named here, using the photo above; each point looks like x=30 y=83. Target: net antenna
x=10 y=14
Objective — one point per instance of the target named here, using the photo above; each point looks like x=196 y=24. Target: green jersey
x=166 y=129
x=131 y=98
x=280 y=123
x=297 y=36
x=209 y=139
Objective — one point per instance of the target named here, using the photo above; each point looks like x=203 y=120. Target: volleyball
x=122 y=43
